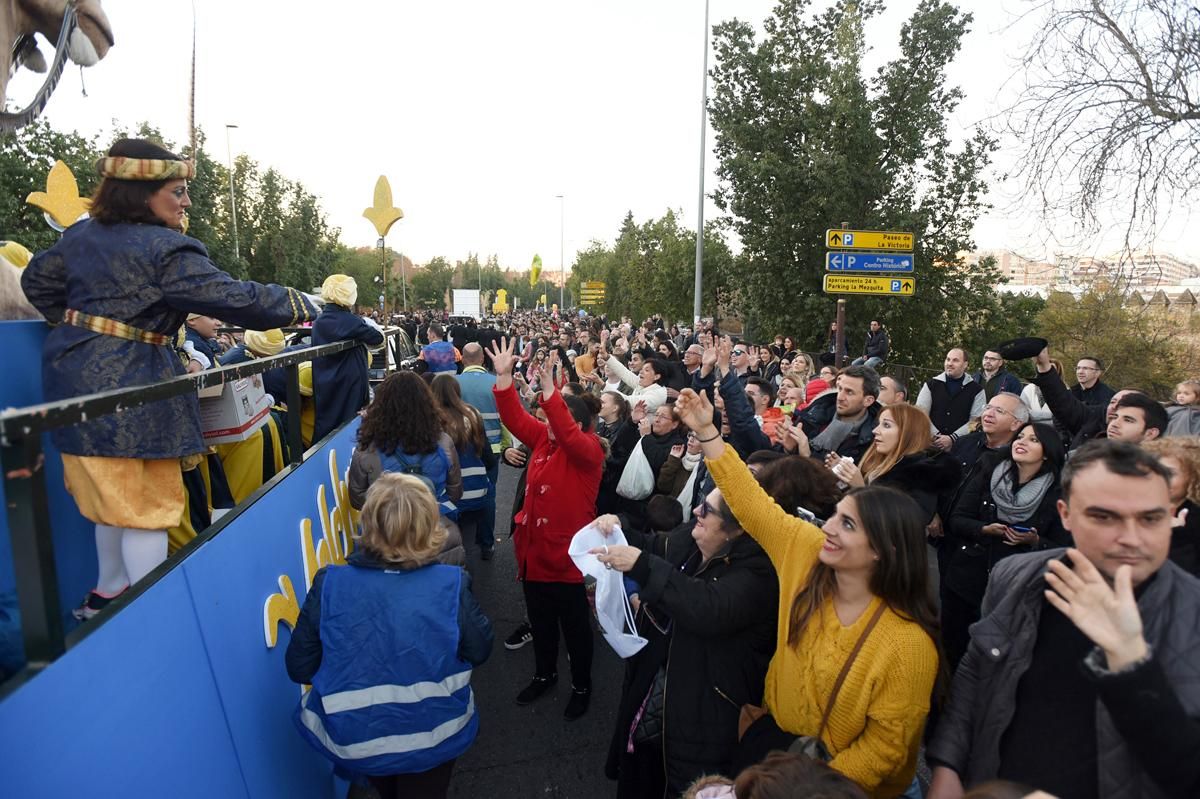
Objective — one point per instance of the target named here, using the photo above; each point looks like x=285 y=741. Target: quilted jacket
x=983 y=696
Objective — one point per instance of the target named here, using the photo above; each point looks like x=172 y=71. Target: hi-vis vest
x=392 y=695
x=434 y=467
x=476 y=485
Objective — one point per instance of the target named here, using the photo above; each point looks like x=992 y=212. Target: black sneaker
x=577 y=705
x=520 y=636
x=486 y=553
x=536 y=688
x=93 y=603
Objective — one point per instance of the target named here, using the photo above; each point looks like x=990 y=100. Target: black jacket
x=1082 y=421
x=877 y=345
x=720 y=618
x=924 y=476
x=817 y=416
x=975 y=553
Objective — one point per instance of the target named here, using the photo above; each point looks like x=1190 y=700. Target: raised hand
x=677 y=451
x=724 y=354
x=638 y=412
x=708 y=360
x=695 y=411
x=1107 y=615
x=548 y=381
x=503 y=357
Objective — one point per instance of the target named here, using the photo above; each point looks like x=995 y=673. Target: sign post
x=852 y=272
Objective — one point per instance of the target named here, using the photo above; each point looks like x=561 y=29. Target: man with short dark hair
x=1098 y=651
x=1089 y=388
x=892 y=391
x=842 y=422
x=995 y=378
x=875 y=350
x=1082 y=421
x=952 y=400
x=439 y=355
x=1138 y=419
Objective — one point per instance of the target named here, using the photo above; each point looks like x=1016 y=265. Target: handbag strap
x=837 y=686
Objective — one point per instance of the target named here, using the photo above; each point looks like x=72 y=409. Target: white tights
x=126 y=555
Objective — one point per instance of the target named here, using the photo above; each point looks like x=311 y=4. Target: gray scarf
x=1011 y=508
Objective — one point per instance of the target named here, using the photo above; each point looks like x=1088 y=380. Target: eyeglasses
x=1086 y=369
x=706 y=509
x=997 y=410
x=739 y=353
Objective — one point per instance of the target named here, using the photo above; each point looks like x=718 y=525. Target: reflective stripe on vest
x=388 y=744
x=403 y=694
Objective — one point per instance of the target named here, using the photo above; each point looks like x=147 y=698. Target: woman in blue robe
x=117 y=287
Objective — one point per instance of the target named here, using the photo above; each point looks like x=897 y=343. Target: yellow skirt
x=145 y=494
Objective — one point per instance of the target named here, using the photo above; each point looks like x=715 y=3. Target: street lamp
x=562 y=264
x=232 y=202
x=700 y=208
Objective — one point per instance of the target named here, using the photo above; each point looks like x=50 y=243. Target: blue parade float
x=180 y=691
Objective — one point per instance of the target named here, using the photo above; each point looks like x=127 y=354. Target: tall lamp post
x=700 y=208
x=232 y=202
x=382 y=214
x=562 y=264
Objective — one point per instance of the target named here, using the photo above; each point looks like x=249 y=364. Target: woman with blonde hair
x=375 y=696
x=1182 y=456
x=902 y=456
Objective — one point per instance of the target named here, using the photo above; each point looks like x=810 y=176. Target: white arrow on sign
x=836 y=260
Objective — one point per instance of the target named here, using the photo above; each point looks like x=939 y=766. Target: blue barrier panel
x=74 y=536
x=181 y=693
x=132 y=711
x=232 y=580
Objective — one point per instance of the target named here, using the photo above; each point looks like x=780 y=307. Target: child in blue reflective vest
x=388 y=641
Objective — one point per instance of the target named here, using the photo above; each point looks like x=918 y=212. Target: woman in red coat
x=561 y=483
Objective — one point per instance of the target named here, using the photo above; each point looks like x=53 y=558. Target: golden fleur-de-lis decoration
x=382 y=214
x=281 y=607
x=60 y=201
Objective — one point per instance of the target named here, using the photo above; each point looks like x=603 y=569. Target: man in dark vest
x=952 y=400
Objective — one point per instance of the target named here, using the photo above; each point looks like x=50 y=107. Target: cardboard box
x=233 y=411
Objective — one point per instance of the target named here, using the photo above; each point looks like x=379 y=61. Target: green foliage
x=650 y=269
x=1141 y=346
x=431 y=283
x=806 y=143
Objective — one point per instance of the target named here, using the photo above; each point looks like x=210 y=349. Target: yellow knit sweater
x=875 y=728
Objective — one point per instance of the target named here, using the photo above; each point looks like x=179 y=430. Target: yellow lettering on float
x=337 y=541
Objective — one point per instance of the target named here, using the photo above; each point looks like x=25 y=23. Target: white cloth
x=612 y=605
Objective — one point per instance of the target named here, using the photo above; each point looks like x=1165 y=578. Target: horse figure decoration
x=79 y=29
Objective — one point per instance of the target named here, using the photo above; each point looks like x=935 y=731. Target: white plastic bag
x=612 y=605
x=637 y=479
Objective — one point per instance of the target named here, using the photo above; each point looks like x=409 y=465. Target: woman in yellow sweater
x=869 y=557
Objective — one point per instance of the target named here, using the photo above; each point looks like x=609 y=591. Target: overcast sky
x=479 y=112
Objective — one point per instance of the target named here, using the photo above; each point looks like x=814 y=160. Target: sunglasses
x=739 y=353
x=706 y=509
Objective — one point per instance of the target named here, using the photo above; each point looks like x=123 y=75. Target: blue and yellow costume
x=123 y=290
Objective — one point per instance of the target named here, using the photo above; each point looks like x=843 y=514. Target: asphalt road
x=529 y=751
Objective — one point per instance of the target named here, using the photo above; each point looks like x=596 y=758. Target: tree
x=1141 y=346
x=1109 y=114
x=431 y=283
x=805 y=142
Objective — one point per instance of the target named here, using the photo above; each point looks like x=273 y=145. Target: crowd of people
x=838 y=575
x=822 y=568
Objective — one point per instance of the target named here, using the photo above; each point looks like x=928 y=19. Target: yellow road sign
x=594 y=284
x=865 y=284
x=891 y=240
